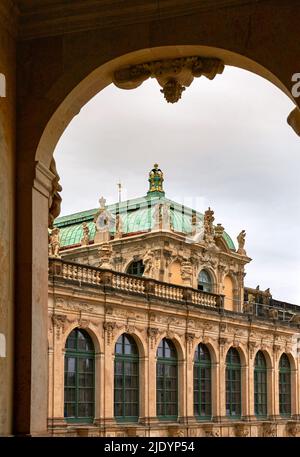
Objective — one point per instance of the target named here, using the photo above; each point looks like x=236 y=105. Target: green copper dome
x=137 y=216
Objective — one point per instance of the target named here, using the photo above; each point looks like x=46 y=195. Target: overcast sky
x=225 y=144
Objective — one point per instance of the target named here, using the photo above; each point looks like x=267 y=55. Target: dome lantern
x=156 y=178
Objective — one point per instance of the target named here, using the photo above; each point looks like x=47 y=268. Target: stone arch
x=136 y=335
x=101 y=77
x=88 y=328
x=241 y=350
x=294 y=372
x=211 y=346
x=212 y=274
x=176 y=340
x=268 y=357
x=270 y=379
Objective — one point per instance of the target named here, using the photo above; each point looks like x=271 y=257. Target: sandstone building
x=153 y=333
x=54 y=57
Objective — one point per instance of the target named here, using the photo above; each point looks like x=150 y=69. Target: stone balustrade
x=71 y=271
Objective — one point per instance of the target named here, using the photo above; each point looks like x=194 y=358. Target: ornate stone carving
x=241 y=242
x=54 y=243
x=173 y=75
x=109 y=327
x=152 y=334
x=241 y=430
x=251 y=347
x=59 y=321
x=119 y=227
x=149 y=262
x=85 y=240
x=211 y=431
x=54 y=198
x=161 y=217
x=292 y=429
x=80 y=307
x=219 y=230
x=208 y=227
x=105 y=254
x=104 y=222
x=223 y=326
x=190 y=339
x=269 y=429
x=186 y=272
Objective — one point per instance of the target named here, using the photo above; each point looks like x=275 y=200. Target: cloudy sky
x=226 y=144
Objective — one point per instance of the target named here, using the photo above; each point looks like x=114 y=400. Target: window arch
x=136 y=268
x=202 y=382
x=260 y=385
x=233 y=384
x=126 y=379
x=79 y=389
x=284 y=386
x=205 y=282
x=166 y=380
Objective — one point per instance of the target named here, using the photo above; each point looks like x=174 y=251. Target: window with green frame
x=136 y=268
x=79 y=389
x=204 y=281
x=202 y=383
x=260 y=385
x=284 y=386
x=166 y=381
x=126 y=380
x=233 y=384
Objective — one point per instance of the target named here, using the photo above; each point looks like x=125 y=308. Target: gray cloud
x=225 y=144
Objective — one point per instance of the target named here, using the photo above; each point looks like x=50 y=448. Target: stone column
x=216 y=390
x=152 y=385
x=31 y=316
x=250 y=377
x=245 y=390
x=276 y=385
x=189 y=386
x=182 y=399
x=222 y=384
x=108 y=391
x=143 y=389
x=98 y=387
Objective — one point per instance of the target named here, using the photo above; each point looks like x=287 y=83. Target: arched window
x=202 y=382
x=205 y=281
x=79 y=377
x=260 y=385
x=166 y=380
x=284 y=386
x=233 y=384
x=136 y=268
x=126 y=382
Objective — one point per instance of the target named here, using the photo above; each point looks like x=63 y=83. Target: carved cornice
x=43 y=18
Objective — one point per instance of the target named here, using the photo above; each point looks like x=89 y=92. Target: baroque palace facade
x=152 y=332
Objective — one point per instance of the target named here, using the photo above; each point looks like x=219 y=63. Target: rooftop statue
x=156 y=178
x=241 y=241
